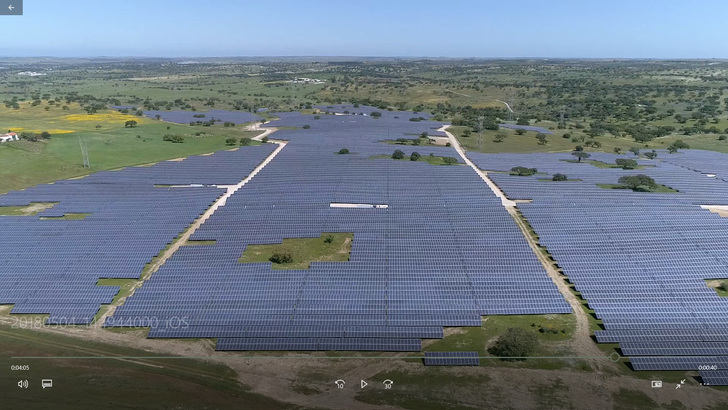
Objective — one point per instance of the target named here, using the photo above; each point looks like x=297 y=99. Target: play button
x=364 y=384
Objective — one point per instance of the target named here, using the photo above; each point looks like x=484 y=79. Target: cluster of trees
x=204 y=123
x=30 y=136
x=523 y=171
x=173 y=138
x=281 y=257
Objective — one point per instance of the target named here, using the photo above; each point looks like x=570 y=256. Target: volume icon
x=23 y=384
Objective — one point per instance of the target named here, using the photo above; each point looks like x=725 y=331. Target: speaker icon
x=23 y=384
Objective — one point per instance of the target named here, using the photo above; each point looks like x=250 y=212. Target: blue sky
x=454 y=28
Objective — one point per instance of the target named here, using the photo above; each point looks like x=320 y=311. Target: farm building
x=11 y=136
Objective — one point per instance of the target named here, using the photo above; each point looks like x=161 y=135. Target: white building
x=11 y=136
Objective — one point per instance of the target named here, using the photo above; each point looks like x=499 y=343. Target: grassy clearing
x=568 y=180
x=664 y=189
x=432 y=160
x=303 y=251
x=719 y=285
x=199 y=243
x=82 y=383
x=547 y=329
x=66 y=217
x=29 y=210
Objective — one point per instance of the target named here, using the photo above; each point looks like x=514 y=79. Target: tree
x=635 y=151
x=415 y=141
x=578 y=148
x=636 y=181
x=398 y=154
x=520 y=131
x=130 y=124
x=541 y=138
x=514 y=344
x=376 y=114
x=522 y=121
x=305 y=127
x=415 y=156
x=231 y=141
x=423 y=135
x=722 y=138
x=45 y=135
x=245 y=141
x=499 y=137
x=157 y=116
x=678 y=144
x=343 y=151
x=617 y=150
x=523 y=171
x=467 y=132
x=560 y=177
x=449 y=160
x=329 y=239
x=651 y=155
x=264 y=139
x=580 y=155
x=626 y=163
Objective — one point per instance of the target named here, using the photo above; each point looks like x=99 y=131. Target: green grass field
x=26 y=163
x=303 y=250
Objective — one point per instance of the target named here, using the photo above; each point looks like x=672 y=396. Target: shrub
x=231 y=141
x=722 y=138
x=448 y=145
x=560 y=177
x=398 y=154
x=265 y=139
x=415 y=156
x=329 y=238
x=343 y=151
x=513 y=344
x=281 y=257
x=245 y=141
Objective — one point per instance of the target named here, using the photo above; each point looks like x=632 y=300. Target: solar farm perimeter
x=433 y=246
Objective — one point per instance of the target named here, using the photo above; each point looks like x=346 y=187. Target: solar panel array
x=51 y=266
x=452 y=359
x=443 y=253
x=640 y=259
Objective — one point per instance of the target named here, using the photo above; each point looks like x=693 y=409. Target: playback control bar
x=11 y=7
